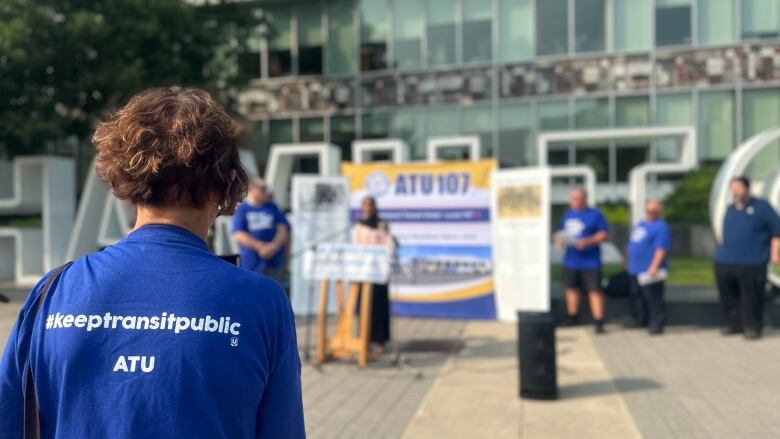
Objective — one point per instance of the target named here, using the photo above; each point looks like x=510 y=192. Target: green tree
x=65 y=64
x=689 y=203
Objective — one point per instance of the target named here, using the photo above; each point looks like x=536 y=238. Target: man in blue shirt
x=581 y=231
x=647 y=264
x=261 y=231
x=751 y=232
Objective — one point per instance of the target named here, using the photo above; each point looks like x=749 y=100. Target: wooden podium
x=345 y=343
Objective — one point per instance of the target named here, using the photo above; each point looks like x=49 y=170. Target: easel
x=344 y=343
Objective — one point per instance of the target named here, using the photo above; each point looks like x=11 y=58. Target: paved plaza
x=459 y=380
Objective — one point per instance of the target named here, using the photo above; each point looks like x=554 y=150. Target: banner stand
x=344 y=344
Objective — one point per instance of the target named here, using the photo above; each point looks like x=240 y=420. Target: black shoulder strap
x=32 y=422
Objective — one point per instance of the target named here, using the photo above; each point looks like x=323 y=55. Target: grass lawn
x=682 y=271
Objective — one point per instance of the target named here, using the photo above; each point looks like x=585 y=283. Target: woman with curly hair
x=156 y=336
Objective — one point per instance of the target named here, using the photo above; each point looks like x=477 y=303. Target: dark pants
x=648 y=304
x=741 y=289
x=380 y=314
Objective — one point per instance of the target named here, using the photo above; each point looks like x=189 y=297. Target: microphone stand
x=396 y=360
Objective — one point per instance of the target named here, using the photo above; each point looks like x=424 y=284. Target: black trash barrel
x=536 y=354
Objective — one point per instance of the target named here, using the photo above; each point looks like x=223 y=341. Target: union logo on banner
x=377 y=184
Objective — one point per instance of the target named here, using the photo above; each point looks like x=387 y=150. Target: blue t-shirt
x=155 y=337
x=583 y=224
x=260 y=222
x=645 y=239
x=747 y=234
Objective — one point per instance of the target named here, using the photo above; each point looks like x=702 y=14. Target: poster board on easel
x=520 y=208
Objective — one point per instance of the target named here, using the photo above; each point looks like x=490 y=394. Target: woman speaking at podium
x=372 y=230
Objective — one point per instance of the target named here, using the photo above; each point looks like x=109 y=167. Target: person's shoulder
x=242 y=206
x=762 y=204
x=270 y=205
x=595 y=212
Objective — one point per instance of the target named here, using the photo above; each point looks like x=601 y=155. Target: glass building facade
x=506 y=70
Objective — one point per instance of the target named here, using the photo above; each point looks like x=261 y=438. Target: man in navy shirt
x=751 y=232
x=581 y=231
x=261 y=231
x=155 y=336
x=647 y=264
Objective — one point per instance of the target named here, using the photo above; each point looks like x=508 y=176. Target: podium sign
x=350 y=263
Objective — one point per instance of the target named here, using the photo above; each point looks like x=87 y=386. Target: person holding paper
x=648 y=248
x=581 y=232
x=751 y=239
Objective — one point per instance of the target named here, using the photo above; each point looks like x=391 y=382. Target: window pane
x=342 y=55
x=553 y=115
x=515 y=147
x=591 y=113
x=441 y=32
x=479 y=121
x=407 y=51
x=477 y=34
x=761 y=111
x=716 y=21
x=516 y=30
x=249 y=60
x=631 y=24
x=672 y=22
x=409 y=126
x=597 y=158
x=373 y=34
x=760 y=19
x=280 y=43
x=279 y=131
x=558 y=156
x=310 y=39
x=342 y=133
x=717 y=134
x=552 y=27
x=443 y=122
x=628 y=156
x=311 y=129
x=632 y=111
x=376 y=126
x=589 y=25
x=255 y=136
x=671 y=110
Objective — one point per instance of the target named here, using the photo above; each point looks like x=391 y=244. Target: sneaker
x=655 y=330
x=752 y=334
x=599 y=327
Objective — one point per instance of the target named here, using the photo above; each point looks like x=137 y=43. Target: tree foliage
x=65 y=64
x=689 y=203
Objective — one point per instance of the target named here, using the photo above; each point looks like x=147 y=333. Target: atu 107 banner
x=439 y=215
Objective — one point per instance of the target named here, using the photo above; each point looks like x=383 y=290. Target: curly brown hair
x=171 y=146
